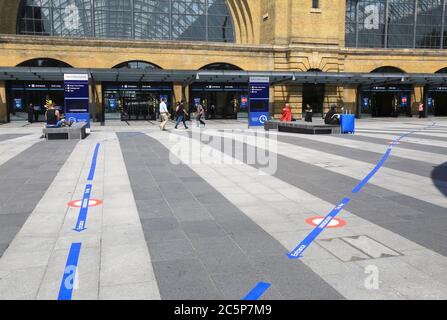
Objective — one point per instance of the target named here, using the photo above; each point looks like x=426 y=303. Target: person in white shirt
x=164 y=113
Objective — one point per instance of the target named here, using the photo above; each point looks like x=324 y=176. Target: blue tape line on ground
x=91 y=175
x=374 y=171
x=258 y=291
x=384 y=158
x=68 y=280
x=82 y=218
x=298 y=251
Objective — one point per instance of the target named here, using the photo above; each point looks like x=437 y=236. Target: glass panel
x=429 y=23
x=372 y=23
x=400 y=24
x=197 y=20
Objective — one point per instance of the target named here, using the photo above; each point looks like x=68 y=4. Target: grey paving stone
x=4 y=137
x=235 y=286
x=160 y=224
x=236 y=227
x=294 y=280
x=202 y=229
x=221 y=255
x=184 y=280
x=172 y=250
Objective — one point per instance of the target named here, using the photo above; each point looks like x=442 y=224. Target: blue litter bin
x=347 y=122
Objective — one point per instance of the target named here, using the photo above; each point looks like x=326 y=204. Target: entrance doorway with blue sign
x=436 y=101
x=259 y=101
x=26 y=100
x=134 y=101
x=385 y=101
x=221 y=101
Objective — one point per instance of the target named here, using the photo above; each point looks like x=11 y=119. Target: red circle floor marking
x=91 y=203
x=335 y=223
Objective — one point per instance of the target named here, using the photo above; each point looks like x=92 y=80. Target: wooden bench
x=77 y=130
x=300 y=127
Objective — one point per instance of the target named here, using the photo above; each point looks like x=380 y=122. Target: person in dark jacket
x=181 y=114
x=30 y=111
x=309 y=113
x=332 y=117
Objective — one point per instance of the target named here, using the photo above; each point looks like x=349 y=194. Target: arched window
x=221 y=66
x=187 y=20
x=443 y=70
x=137 y=64
x=44 y=63
x=387 y=70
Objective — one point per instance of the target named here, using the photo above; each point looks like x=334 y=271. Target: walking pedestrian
x=30 y=111
x=164 y=113
x=309 y=113
x=181 y=114
x=421 y=110
x=200 y=114
x=36 y=111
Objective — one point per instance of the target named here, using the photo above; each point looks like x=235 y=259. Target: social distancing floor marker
x=334 y=223
x=91 y=203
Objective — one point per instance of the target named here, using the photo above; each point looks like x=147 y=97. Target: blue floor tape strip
x=258 y=291
x=82 y=218
x=382 y=161
x=68 y=280
x=91 y=174
x=298 y=251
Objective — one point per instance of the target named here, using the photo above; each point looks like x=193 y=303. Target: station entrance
x=221 y=101
x=313 y=95
x=29 y=99
x=385 y=101
x=134 y=101
x=436 y=101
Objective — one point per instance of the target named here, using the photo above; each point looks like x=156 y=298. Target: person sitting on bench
x=53 y=117
x=332 y=117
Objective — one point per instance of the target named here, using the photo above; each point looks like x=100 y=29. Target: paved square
x=209 y=214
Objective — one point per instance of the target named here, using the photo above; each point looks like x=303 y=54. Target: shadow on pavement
x=439 y=176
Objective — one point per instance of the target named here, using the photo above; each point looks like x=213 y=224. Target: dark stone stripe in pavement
x=4 y=137
x=398 y=133
x=420 y=168
x=202 y=246
x=414 y=219
x=403 y=145
x=24 y=180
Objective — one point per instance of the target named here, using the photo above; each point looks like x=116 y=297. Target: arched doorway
x=386 y=99
x=221 y=100
x=27 y=99
x=313 y=95
x=44 y=63
x=134 y=100
x=436 y=98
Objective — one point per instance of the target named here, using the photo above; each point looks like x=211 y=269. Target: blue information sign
x=77 y=98
x=259 y=90
x=18 y=104
x=429 y=102
x=78 y=117
x=365 y=102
